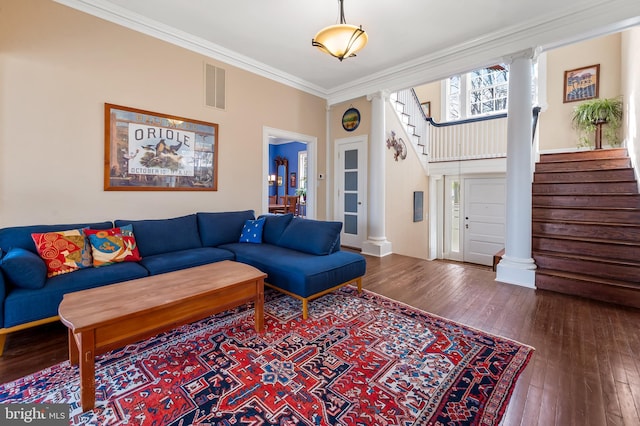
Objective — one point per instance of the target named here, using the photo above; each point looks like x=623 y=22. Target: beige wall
x=336 y=131
x=432 y=92
x=59 y=66
x=407 y=237
x=555 y=123
x=631 y=92
x=402 y=179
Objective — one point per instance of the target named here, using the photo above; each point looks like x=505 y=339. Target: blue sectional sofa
x=301 y=257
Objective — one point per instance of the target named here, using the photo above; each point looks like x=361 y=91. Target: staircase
x=407 y=107
x=586 y=225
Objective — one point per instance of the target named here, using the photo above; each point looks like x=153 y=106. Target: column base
x=513 y=270
x=376 y=248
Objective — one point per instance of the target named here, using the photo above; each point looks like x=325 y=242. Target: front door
x=351 y=189
x=484 y=219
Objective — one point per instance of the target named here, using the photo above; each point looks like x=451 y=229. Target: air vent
x=214 y=86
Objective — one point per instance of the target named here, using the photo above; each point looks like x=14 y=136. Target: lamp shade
x=341 y=41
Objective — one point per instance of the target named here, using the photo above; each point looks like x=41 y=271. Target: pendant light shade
x=342 y=40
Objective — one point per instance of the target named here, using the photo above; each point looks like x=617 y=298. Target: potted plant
x=302 y=192
x=589 y=117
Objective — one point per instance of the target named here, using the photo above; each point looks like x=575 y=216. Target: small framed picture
x=581 y=83
x=351 y=119
x=426 y=108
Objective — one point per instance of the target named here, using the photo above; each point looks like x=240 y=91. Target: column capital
x=529 y=53
x=381 y=94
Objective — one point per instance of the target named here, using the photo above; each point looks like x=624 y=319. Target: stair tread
x=597 y=194
x=586 y=208
x=578 y=222
x=584 y=277
x=587 y=240
x=617 y=181
x=610 y=261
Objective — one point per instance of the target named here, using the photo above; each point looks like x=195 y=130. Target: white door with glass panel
x=351 y=189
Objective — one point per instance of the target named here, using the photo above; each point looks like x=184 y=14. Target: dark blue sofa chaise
x=301 y=257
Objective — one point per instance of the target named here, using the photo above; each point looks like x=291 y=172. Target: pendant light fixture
x=341 y=40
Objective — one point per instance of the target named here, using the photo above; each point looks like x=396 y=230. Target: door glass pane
x=455 y=216
x=351 y=203
x=351 y=224
x=351 y=181
x=351 y=159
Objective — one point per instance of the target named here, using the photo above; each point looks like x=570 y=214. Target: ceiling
x=410 y=41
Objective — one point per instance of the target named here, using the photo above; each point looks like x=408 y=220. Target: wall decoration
x=426 y=108
x=292 y=180
x=418 y=206
x=148 y=151
x=398 y=145
x=581 y=83
x=351 y=119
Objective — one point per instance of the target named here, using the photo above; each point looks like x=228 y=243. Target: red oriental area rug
x=360 y=359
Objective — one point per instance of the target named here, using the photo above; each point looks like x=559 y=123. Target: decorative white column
x=517 y=265
x=376 y=243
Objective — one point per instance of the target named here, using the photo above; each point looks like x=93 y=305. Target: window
x=302 y=170
x=480 y=92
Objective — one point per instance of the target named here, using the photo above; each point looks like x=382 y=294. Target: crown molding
x=118 y=15
x=596 y=18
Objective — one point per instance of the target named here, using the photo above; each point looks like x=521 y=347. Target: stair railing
x=471 y=139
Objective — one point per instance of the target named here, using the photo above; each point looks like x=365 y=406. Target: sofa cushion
x=168 y=262
x=252 y=231
x=24 y=268
x=63 y=251
x=20 y=236
x=26 y=305
x=311 y=236
x=223 y=227
x=274 y=226
x=300 y=273
x=113 y=245
x=157 y=236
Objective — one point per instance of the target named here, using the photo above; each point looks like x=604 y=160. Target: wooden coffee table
x=106 y=318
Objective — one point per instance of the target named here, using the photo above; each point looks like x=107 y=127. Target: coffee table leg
x=73 y=349
x=87 y=370
x=259 y=320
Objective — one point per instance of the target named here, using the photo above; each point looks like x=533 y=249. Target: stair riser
x=587 y=230
x=605 y=216
x=585 y=188
x=585 y=155
x=587 y=248
x=571 y=166
x=590 y=176
x=591 y=290
x=594 y=269
x=616 y=200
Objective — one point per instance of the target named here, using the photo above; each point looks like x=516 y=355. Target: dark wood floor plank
x=585 y=371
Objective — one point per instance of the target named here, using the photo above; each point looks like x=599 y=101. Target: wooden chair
x=273 y=199
x=292 y=204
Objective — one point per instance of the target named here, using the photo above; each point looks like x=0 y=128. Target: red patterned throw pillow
x=63 y=251
x=109 y=246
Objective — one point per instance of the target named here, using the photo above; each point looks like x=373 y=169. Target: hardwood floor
x=585 y=370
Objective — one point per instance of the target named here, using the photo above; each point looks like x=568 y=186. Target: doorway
x=474 y=218
x=351 y=189
x=296 y=180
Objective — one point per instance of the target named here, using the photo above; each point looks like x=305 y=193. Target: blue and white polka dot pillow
x=252 y=231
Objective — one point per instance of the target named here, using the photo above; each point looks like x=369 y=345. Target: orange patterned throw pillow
x=63 y=251
x=113 y=245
